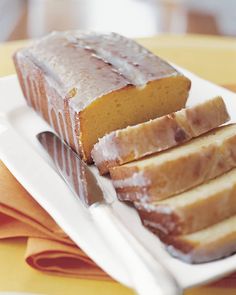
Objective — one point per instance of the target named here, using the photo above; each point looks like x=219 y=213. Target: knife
x=147 y=279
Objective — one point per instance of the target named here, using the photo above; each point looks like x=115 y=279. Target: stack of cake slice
x=180 y=172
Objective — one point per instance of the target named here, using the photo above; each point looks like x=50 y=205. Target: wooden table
x=213 y=58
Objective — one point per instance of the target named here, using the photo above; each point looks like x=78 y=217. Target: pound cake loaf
x=132 y=143
x=88 y=84
x=193 y=210
x=176 y=170
x=211 y=243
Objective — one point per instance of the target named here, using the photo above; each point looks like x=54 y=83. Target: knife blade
x=73 y=170
x=146 y=278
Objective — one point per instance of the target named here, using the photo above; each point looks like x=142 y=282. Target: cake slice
x=193 y=210
x=132 y=143
x=211 y=243
x=176 y=170
x=86 y=85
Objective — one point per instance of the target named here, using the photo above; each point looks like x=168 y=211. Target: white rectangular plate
x=69 y=213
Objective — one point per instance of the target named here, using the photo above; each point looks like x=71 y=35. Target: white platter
x=21 y=124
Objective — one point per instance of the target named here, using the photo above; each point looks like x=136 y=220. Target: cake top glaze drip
x=74 y=61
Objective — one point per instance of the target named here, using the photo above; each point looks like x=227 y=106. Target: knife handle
x=147 y=279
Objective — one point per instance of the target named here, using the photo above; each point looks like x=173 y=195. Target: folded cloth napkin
x=231 y=87
x=48 y=247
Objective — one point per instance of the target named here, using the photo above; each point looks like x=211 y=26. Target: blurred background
x=21 y=19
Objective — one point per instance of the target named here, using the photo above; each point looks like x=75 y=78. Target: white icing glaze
x=137 y=64
x=138 y=179
x=50 y=114
x=204 y=252
x=73 y=122
x=186 y=257
x=24 y=73
x=107 y=149
x=38 y=96
x=149 y=207
x=155 y=225
x=79 y=60
x=59 y=124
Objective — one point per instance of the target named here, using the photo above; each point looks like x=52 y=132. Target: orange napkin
x=54 y=256
x=231 y=87
x=48 y=247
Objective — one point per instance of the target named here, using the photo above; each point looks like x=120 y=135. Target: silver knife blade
x=76 y=173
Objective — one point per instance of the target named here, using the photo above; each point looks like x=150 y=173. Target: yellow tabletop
x=213 y=58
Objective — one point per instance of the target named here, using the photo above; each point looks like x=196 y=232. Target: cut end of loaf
x=130 y=106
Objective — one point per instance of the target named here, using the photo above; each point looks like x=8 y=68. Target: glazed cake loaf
x=193 y=210
x=176 y=170
x=88 y=84
x=211 y=243
x=132 y=143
